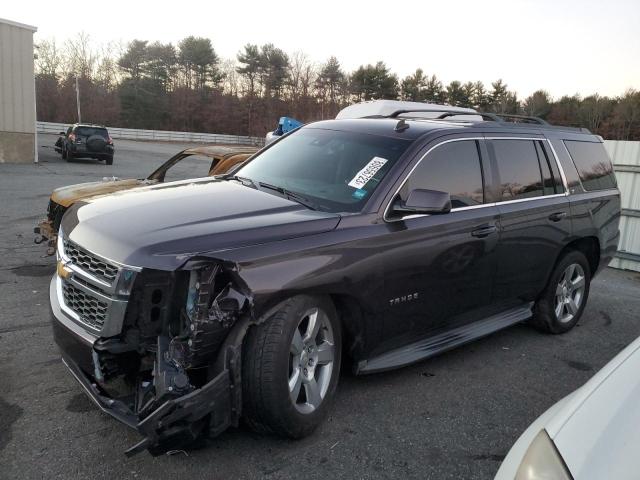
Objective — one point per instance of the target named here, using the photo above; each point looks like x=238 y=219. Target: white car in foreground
x=593 y=433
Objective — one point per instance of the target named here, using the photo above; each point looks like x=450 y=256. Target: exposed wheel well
x=589 y=246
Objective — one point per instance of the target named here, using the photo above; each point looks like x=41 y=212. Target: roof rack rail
x=491 y=116
x=527 y=118
x=496 y=117
x=444 y=113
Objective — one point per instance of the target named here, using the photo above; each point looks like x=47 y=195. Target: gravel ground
x=454 y=416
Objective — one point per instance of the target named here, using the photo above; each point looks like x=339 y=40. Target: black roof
x=383 y=127
x=396 y=127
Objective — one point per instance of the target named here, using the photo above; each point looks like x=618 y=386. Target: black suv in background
x=381 y=241
x=86 y=141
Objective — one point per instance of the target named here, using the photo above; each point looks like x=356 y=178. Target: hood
x=596 y=431
x=163 y=225
x=67 y=196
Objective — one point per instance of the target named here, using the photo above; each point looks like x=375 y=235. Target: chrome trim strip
x=90 y=278
x=528 y=199
x=493 y=204
x=113 y=262
x=472 y=207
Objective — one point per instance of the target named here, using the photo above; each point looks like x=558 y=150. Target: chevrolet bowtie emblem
x=63 y=271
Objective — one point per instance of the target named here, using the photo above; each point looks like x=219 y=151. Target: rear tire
x=290 y=367
x=560 y=306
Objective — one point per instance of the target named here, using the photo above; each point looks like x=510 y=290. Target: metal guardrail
x=161 y=135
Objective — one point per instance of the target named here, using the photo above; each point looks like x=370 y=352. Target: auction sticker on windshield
x=367 y=173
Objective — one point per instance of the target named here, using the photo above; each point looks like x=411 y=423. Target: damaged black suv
x=185 y=307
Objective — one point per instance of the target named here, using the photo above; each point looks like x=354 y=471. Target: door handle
x=556 y=217
x=484 y=231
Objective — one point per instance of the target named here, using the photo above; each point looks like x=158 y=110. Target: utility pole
x=35 y=123
x=78 y=100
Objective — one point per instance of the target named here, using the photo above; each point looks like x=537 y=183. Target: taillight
x=72 y=137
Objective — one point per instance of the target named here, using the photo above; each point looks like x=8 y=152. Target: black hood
x=163 y=225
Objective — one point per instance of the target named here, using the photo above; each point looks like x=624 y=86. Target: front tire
x=561 y=305
x=291 y=364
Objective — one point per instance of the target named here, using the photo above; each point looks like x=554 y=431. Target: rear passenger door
x=534 y=216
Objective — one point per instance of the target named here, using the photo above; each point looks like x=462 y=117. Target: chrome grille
x=91 y=310
x=90 y=263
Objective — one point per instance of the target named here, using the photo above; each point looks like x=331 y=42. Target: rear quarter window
x=593 y=164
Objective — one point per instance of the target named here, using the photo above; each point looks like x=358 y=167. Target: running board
x=444 y=341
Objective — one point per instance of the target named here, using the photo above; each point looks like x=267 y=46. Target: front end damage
x=47 y=229
x=173 y=373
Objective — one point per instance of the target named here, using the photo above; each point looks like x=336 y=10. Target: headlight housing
x=542 y=461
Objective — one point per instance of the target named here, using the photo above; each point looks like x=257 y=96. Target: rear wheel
x=563 y=301
x=291 y=365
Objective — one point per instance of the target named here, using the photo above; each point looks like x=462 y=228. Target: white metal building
x=17 y=93
x=626 y=162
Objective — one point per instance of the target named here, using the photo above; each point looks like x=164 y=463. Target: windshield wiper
x=243 y=180
x=296 y=197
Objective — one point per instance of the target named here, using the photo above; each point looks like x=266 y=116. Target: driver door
x=439 y=268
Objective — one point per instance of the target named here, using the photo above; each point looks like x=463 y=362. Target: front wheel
x=562 y=303
x=291 y=364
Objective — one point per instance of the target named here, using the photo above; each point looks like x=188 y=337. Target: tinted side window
x=552 y=181
x=519 y=170
x=452 y=167
x=593 y=164
x=555 y=171
x=547 y=178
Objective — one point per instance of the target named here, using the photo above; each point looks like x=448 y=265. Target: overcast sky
x=563 y=46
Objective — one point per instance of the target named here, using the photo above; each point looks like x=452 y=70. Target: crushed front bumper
x=174 y=423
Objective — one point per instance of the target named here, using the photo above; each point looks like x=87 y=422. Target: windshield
x=335 y=171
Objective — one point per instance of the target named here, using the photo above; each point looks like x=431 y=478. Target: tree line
x=189 y=87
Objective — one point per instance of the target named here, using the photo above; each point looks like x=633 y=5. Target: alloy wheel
x=311 y=359
x=569 y=293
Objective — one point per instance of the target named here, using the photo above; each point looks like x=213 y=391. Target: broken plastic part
x=179 y=421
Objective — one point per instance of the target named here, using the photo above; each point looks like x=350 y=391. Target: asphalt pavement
x=451 y=417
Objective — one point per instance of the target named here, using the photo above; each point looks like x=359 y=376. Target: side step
x=444 y=341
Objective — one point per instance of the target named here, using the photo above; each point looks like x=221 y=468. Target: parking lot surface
x=454 y=416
